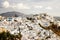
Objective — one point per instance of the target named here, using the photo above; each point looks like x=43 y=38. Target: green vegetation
x=8 y=36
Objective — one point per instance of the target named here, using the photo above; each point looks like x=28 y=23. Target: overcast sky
x=51 y=7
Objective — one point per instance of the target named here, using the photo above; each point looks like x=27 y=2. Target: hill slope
x=12 y=14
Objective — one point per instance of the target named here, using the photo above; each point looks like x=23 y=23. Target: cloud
x=20 y=6
x=48 y=8
x=5 y=4
x=38 y=6
x=38 y=0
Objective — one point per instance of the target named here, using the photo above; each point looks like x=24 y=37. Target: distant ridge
x=12 y=14
x=18 y=14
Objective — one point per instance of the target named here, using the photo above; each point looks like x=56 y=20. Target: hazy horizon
x=51 y=7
